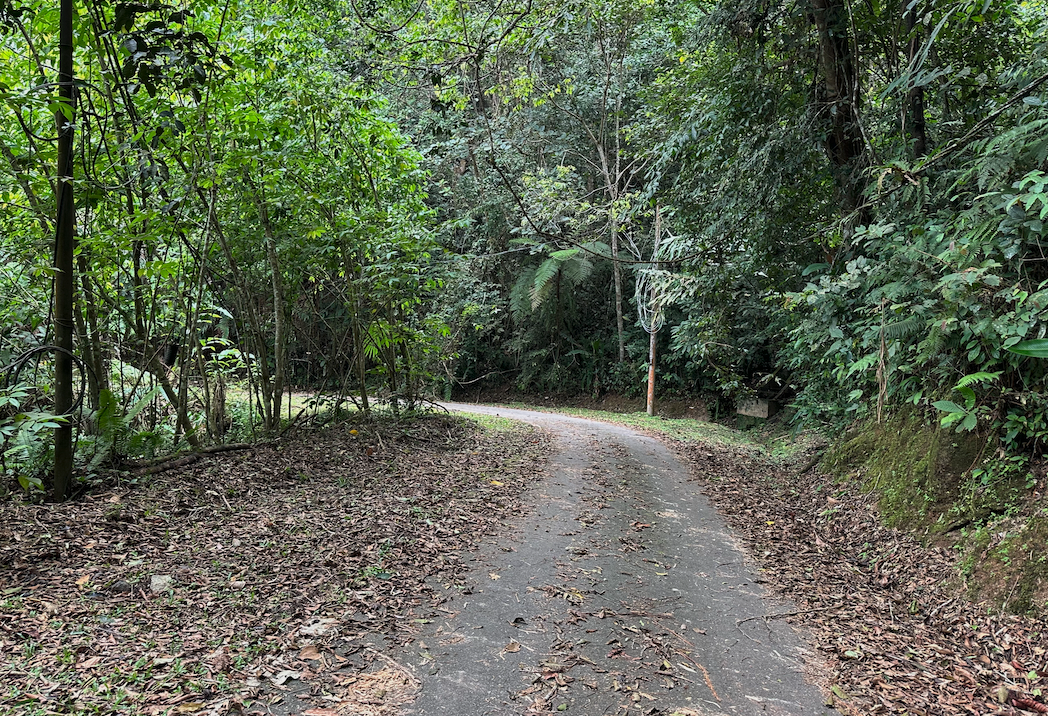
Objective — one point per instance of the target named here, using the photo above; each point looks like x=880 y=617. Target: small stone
x=160 y=583
x=237 y=584
x=119 y=587
x=235 y=542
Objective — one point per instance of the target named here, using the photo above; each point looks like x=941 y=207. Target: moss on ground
x=918 y=471
x=1005 y=563
x=954 y=490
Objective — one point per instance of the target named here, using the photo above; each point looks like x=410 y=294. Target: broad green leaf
x=948 y=406
x=1037 y=348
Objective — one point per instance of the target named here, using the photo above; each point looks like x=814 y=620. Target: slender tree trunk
x=65 y=244
x=98 y=376
x=279 y=317
x=243 y=299
x=617 y=272
x=651 y=374
x=182 y=423
x=653 y=326
x=359 y=358
x=915 y=98
x=27 y=188
x=391 y=360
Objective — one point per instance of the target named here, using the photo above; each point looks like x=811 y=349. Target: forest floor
x=206 y=588
x=307 y=577
x=886 y=610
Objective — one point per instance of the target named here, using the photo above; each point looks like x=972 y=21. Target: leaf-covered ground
x=228 y=585
x=883 y=608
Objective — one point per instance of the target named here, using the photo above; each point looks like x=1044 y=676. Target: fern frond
x=520 y=295
x=545 y=273
x=577 y=270
x=975 y=378
x=900 y=330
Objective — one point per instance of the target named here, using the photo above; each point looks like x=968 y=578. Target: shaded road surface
x=621 y=591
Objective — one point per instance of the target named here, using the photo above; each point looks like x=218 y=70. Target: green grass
x=493 y=423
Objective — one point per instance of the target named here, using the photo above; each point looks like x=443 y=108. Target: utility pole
x=653 y=327
x=651 y=374
x=65 y=243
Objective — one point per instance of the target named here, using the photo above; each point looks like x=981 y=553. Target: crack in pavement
x=621 y=591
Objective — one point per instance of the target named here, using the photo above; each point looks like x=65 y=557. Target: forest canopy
x=836 y=204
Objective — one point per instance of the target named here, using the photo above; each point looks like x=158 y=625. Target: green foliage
x=244 y=204
x=948 y=296
x=1036 y=348
x=116 y=436
x=24 y=449
x=408 y=198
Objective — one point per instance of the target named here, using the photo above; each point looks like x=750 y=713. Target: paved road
x=620 y=591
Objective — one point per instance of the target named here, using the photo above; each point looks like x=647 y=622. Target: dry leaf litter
x=252 y=579
x=884 y=609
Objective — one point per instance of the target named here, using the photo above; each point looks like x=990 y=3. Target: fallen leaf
x=309 y=652
x=283 y=676
x=221 y=661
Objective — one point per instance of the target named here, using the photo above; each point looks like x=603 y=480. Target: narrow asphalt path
x=621 y=591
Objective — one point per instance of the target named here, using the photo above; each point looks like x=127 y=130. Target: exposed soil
x=230 y=584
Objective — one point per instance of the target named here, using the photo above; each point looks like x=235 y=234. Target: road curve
x=620 y=591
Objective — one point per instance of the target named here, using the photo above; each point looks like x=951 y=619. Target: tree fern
x=544 y=275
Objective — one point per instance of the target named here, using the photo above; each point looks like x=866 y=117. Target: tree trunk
x=617 y=271
x=915 y=97
x=359 y=358
x=279 y=319
x=840 y=101
x=242 y=295
x=651 y=374
x=65 y=244
x=98 y=376
x=182 y=423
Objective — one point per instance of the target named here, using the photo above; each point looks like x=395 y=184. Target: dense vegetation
x=839 y=204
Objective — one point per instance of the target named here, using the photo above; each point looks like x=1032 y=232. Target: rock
x=119 y=587
x=160 y=583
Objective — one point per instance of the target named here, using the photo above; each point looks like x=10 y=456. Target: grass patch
x=494 y=424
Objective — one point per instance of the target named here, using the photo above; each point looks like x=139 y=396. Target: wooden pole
x=65 y=243
x=651 y=375
x=653 y=329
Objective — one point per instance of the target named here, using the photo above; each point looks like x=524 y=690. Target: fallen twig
x=782 y=615
x=169 y=464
